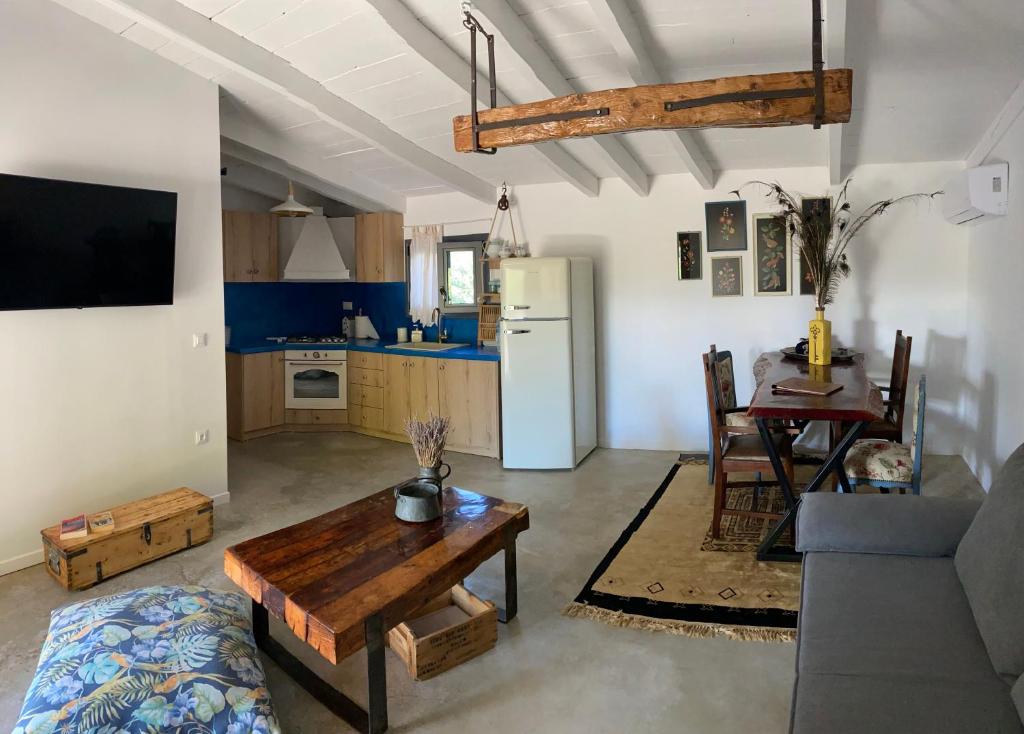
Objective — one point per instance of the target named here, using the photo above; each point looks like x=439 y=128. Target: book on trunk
x=73 y=527
x=101 y=523
x=801 y=386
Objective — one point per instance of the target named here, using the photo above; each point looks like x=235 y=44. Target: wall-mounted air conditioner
x=977 y=194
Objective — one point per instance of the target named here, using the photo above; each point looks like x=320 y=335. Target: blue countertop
x=482 y=354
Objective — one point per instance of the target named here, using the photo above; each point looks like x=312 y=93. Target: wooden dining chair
x=725 y=388
x=887 y=464
x=890 y=426
x=739 y=449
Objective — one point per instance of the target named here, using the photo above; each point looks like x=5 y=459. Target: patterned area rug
x=744 y=534
x=665 y=574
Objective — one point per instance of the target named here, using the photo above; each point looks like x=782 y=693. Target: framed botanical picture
x=727 y=276
x=726 y=223
x=809 y=208
x=688 y=255
x=772 y=256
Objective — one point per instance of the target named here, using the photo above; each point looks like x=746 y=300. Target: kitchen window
x=459 y=276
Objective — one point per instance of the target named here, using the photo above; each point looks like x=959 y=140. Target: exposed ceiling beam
x=1007 y=116
x=523 y=45
x=835 y=58
x=254 y=145
x=202 y=35
x=274 y=186
x=619 y=25
x=437 y=53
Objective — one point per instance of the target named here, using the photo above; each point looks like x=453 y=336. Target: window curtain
x=423 y=285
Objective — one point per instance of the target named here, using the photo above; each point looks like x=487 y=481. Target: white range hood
x=316 y=255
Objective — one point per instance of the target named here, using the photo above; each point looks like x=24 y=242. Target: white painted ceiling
x=929 y=77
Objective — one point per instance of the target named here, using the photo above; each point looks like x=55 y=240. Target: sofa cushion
x=163 y=658
x=876 y=615
x=990 y=561
x=845 y=704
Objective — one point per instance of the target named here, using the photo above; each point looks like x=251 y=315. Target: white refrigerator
x=548 y=362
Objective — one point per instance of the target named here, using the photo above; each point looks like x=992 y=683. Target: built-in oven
x=316 y=379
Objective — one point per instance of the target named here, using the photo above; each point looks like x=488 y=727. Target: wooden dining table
x=855 y=405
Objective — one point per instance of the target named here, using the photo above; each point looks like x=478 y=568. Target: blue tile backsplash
x=255 y=311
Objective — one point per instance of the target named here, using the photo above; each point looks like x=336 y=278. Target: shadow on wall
x=979 y=410
x=595 y=248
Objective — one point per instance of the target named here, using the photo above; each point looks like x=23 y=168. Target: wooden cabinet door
x=369 y=253
x=263 y=229
x=277 y=412
x=250 y=247
x=392 y=247
x=262 y=391
x=237 y=236
x=423 y=397
x=468 y=395
x=396 y=393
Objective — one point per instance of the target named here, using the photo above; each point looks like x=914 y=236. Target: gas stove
x=317 y=340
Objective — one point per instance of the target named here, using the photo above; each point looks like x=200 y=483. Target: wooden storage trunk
x=450 y=630
x=143 y=531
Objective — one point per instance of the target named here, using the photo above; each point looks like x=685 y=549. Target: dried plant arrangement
x=824 y=235
x=428 y=438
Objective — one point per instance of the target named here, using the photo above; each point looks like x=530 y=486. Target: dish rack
x=487 y=331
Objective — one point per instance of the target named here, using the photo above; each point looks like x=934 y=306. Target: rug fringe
x=700 y=630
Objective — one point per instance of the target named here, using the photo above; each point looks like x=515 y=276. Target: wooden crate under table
x=451 y=629
x=143 y=531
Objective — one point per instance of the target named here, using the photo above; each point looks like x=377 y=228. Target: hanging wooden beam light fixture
x=816 y=97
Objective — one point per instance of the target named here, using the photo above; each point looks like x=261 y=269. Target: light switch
x=200 y=340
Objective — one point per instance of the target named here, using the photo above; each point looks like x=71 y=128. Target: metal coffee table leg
x=373 y=722
x=507 y=614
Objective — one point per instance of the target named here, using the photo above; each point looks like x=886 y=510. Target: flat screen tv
x=77 y=245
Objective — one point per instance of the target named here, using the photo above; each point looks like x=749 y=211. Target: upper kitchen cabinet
x=380 y=248
x=250 y=247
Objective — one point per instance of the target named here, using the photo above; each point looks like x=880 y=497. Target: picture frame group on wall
x=773 y=255
x=726 y=276
x=726 y=225
x=689 y=256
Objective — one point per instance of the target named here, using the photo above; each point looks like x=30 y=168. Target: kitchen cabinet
x=465 y=391
x=468 y=395
x=250 y=247
x=255 y=394
x=380 y=247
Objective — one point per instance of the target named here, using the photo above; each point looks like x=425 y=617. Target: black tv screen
x=77 y=245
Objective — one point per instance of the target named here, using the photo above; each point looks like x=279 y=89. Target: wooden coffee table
x=342 y=580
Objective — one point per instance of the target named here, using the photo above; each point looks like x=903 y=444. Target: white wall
x=909 y=272
x=100 y=405
x=994 y=395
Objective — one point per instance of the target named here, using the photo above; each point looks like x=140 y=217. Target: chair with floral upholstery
x=740 y=450
x=724 y=383
x=889 y=465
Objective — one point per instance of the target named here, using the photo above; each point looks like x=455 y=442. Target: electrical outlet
x=346 y=305
x=200 y=340
x=203 y=437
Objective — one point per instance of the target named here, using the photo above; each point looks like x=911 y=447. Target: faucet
x=435 y=317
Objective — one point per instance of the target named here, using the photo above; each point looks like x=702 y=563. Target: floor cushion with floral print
x=161 y=659
x=880 y=460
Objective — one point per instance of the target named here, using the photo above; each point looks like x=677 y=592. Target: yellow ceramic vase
x=819 y=339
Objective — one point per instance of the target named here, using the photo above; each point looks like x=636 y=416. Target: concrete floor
x=547 y=673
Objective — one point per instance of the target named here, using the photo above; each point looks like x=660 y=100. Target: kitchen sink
x=426 y=346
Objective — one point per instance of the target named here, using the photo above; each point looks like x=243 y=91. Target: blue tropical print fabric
x=161 y=659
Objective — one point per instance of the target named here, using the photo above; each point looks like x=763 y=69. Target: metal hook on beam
x=473 y=25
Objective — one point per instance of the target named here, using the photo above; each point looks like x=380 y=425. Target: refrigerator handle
x=517 y=308
x=515 y=331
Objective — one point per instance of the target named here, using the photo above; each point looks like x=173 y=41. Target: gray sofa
x=912 y=616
